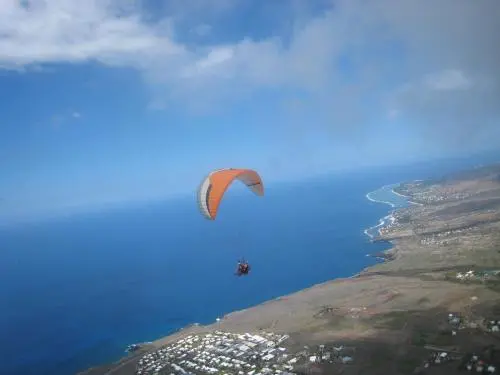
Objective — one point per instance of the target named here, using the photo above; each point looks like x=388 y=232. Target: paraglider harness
x=243 y=268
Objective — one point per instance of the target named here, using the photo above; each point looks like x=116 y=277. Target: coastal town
x=221 y=352
x=430 y=307
x=214 y=353
x=459 y=198
x=230 y=353
x=421 y=192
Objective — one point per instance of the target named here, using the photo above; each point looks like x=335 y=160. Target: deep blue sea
x=75 y=292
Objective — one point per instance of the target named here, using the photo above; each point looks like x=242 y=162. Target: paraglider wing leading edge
x=213 y=187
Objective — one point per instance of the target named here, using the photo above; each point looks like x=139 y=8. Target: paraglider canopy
x=214 y=186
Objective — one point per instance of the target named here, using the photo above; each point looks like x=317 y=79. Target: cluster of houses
x=469 y=275
x=239 y=354
x=391 y=225
x=431 y=194
x=479 y=276
x=334 y=354
x=476 y=364
x=435 y=196
x=458 y=323
x=438 y=358
x=250 y=354
x=493 y=325
x=220 y=352
x=446 y=237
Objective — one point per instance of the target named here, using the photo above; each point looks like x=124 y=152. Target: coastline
x=388 y=254
x=379 y=201
x=413 y=280
x=408 y=199
x=387 y=220
x=195 y=328
x=381 y=224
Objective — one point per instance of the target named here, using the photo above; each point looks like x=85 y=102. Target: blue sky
x=112 y=101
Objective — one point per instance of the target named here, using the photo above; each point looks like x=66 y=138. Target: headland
x=433 y=307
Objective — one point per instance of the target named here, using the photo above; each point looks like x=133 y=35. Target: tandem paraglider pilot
x=243 y=268
x=212 y=190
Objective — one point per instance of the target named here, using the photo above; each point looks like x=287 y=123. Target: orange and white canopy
x=213 y=187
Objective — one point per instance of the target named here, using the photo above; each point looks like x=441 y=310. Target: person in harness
x=243 y=268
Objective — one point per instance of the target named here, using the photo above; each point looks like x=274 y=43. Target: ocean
x=74 y=292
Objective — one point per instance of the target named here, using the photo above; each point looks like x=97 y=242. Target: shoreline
x=407 y=197
x=388 y=254
x=385 y=256
x=378 y=201
x=401 y=280
x=389 y=219
x=381 y=223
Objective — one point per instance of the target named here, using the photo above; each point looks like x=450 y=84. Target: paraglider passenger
x=243 y=268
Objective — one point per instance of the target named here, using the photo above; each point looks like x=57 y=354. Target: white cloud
x=68 y=31
x=449 y=79
x=444 y=54
x=211 y=63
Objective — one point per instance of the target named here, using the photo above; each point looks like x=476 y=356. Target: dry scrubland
x=394 y=314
